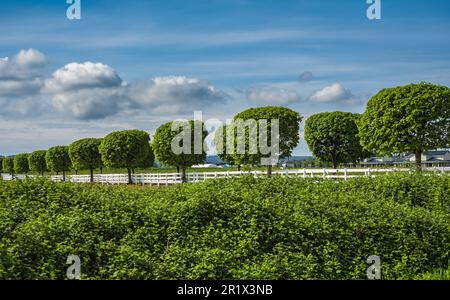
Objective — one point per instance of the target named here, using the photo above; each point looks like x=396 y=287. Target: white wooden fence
x=165 y=179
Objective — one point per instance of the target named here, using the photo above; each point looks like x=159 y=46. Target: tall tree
x=58 y=160
x=8 y=165
x=288 y=136
x=21 y=164
x=85 y=154
x=36 y=161
x=413 y=118
x=333 y=137
x=125 y=149
x=189 y=135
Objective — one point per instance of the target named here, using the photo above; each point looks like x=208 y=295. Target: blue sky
x=137 y=64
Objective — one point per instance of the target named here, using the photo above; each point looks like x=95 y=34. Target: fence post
x=345 y=174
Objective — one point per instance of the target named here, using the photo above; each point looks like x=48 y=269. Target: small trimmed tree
x=413 y=118
x=37 y=163
x=333 y=137
x=289 y=134
x=149 y=158
x=85 y=154
x=189 y=135
x=220 y=141
x=58 y=160
x=125 y=149
x=21 y=164
x=8 y=165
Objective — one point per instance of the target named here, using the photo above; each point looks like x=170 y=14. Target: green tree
x=58 y=160
x=36 y=161
x=125 y=149
x=289 y=137
x=194 y=133
x=21 y=164
x=220 y=141
x=8 y=165
x=148 y=159
x=333 y=137
x=412 y=118
x=85 y=154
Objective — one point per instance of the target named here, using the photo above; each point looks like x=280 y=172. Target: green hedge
x=227 y=229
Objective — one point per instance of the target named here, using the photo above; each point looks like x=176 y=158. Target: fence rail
x=165 y=179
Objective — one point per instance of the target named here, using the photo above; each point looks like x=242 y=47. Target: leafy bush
x=245 y=228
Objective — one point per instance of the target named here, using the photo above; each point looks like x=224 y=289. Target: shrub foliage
x=244 y=228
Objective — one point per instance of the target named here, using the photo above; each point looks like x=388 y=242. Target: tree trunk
x=92 y=175
x=178 y=169
x=101 y=170
x=269 y=171
x=418 y=161
x=239 y=167
x=183 y=175
x=130 y=181
x=64 y=175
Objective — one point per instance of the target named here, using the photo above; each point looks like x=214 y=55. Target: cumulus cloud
x=306 y=76
x=86 y=90
x=175 y=94
x=333 y=93
x=274 y=96
x=30 y=58
x=76 y=76
x=25 y=65
x=95 y=91
x=21 y=82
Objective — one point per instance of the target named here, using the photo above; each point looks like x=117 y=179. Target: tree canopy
x=289 y=134
x=85 y=154
x=220 y=141
x=36 y=161
x=8 y=165
x=58 y=159
x=333 y=137
x=412 y=118
x=21 y=164
x=149 y=158
x=194 y=133
x=125 y=149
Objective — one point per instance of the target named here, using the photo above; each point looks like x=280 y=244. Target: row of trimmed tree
x=128 y=149
x=413 y=118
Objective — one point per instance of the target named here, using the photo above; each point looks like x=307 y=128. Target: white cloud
x=75 y=76
x=21 y=82
x=95 y=91
x=30 y=58
x=86 y=90
x=175 y=94
x=333 y=93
